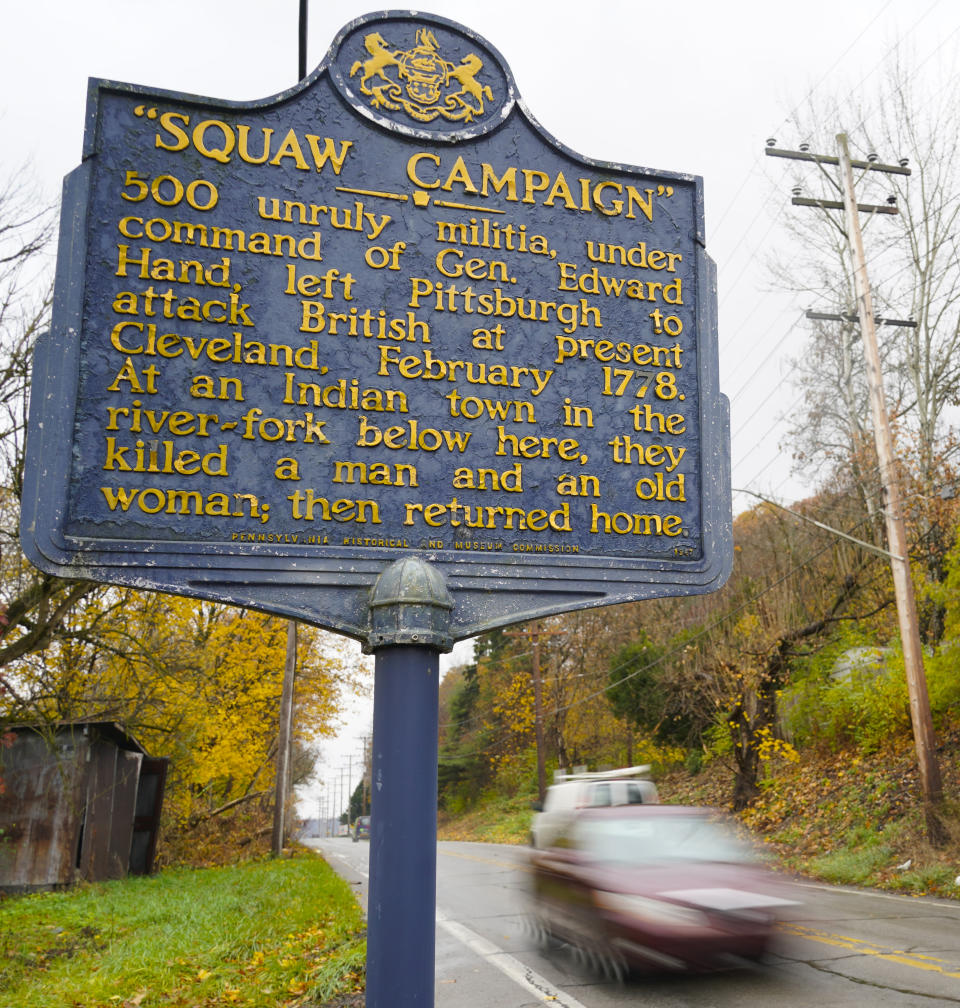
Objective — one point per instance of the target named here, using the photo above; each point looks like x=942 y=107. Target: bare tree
x=914 y=267
x=927 y=284
x=915 y=270
x=33 y=606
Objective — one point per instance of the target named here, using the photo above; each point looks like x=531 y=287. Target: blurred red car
x=654 y=886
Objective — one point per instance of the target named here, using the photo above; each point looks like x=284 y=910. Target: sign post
x=378 y=350
x=410 y=617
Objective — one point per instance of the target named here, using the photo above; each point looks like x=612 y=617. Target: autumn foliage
x=199 y=683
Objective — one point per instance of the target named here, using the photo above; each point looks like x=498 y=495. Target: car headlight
x=651 y=911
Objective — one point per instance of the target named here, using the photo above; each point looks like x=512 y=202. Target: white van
x=589 y=790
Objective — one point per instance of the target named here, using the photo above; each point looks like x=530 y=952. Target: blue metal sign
x=380 y=314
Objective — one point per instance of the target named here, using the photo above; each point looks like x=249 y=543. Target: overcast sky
x=695 y=87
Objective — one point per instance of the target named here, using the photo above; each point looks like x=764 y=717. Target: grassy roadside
x=845 y=818
x=264 y=934
x=849 y=818
x=289 y=933
x=499 y=819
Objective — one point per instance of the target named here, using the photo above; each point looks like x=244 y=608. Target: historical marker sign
x=379 y=313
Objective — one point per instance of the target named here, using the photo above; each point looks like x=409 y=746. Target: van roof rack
x=633 y=771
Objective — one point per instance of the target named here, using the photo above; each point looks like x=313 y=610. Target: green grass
x=852 y=865
x=265 y=934
x=498 y=819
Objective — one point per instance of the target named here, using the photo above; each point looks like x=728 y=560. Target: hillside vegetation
x=844 y=818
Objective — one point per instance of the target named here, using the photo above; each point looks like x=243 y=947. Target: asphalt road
x=839 y=947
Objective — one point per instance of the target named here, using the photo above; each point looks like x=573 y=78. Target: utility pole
x=533 y=634
x=538 y=718
x=285 y=732
x=342 y=790
x=349 y=791
x=921 y=719
x=365 y=779
x=284 y=741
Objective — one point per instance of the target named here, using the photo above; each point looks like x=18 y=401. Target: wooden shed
x=80 y=801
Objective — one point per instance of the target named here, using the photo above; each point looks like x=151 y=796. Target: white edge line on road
x=527 y=978
x=946 y=904
x=364 y=875
x=531 y=981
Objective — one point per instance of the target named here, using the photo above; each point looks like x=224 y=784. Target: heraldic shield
x=426 y=85
x=413 y=76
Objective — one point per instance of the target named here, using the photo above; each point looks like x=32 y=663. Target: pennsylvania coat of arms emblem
x=420 y=81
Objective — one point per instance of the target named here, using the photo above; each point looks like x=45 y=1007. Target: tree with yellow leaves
x=200 y=683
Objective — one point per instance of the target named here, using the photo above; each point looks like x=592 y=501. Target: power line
x=703 y=632
x=479 y=719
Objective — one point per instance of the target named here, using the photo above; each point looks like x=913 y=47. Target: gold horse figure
x=466 y=75
x=380 y=58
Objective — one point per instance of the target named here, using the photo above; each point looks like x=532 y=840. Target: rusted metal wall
x=146 y=822
x=108 y=825
x=41 y=810
x=72 y=807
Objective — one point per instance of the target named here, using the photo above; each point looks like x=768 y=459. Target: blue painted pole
x=401 y=912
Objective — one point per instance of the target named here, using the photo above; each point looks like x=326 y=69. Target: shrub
x=851 y=694
x=943 y=682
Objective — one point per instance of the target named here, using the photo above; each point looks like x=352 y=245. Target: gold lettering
x=307 y=505
x=377 y=473
x=640 y=354
x=484 y=516
x=151 y=500
x=622 y=523
x=510 y=480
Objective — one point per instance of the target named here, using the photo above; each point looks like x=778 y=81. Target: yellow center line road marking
x=506 y=865
x=916 y=960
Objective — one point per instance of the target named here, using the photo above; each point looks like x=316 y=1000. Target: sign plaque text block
x=381 y=312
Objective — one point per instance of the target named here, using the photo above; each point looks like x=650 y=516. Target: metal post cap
x=410 y=604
